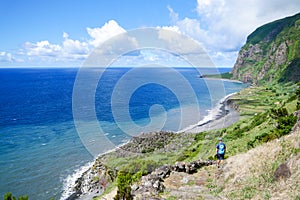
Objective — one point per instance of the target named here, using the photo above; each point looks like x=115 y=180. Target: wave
x=69 y=182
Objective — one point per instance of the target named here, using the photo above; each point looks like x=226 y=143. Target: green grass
x=109 y=189
x=219 y=76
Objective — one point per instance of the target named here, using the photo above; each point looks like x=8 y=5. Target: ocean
x=47 y=135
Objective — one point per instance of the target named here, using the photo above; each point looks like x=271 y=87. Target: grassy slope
x=248 y=175
x=271 y=30
x=251 y=175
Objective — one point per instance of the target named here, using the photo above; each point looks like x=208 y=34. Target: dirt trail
x=180 y=185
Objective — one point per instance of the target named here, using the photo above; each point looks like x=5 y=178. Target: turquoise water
x=40 y=147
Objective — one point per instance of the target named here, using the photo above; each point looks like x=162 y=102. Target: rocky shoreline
x=98 y=177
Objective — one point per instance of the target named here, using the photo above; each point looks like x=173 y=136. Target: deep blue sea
x=40 y=148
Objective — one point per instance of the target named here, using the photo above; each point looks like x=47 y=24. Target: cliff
x=271 y=53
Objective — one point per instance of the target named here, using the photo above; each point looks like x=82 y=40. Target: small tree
x=124 y=181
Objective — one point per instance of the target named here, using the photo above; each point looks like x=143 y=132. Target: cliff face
x=271 y=53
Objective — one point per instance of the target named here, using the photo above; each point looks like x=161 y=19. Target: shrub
x=124 y=181
x=189 y=153
x=200 y=136
x=284 y=124
x=285 y=121
x=9 y=196
x=145 y=166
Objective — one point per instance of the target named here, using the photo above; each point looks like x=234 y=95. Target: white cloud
x=108 y=30
x=42 y=48
x=70 y=50
x=223 y=25
x=230 y=22
x=74 y=48
x=5 y=57
x=173 y=15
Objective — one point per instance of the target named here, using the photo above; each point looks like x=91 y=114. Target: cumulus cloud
x=74 y=48
x=5 y=57
x=223 y=25
x=70 y=49
x=42 y=48
x=229 y=22
x=108 y=30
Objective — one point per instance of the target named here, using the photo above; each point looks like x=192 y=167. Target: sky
x=63 y=33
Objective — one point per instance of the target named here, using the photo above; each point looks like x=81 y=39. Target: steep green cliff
x=271 y=53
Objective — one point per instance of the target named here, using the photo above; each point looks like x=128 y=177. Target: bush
x=189 y=153
x=285 y=121
x=124 y=181
x=137 y=165
x=9 y=196
x=200 y=136
x=284 y=124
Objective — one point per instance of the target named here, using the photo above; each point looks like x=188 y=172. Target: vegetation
x=226 y=75
x=124 y=186
x=271 y=30
x=9 y=196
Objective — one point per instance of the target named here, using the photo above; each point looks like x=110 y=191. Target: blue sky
x=65 y=32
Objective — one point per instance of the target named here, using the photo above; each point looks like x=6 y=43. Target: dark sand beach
x=226 y=117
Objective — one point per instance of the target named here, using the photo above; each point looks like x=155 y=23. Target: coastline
x=225 y=117
x=221 y=79
x=221 y=116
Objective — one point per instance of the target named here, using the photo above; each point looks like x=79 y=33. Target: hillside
x=271 y=53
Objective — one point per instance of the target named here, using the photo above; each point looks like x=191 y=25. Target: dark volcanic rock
x=282 y=172
x=152 y=184
x=148 y=142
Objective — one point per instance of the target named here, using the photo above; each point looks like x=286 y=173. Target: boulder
x=282 y=172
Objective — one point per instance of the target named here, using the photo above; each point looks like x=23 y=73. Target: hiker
x=221 y=150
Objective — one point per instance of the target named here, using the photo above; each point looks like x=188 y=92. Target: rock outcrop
x=282 y=172
x=93 y=181
x=152 y=184
x=148 y=142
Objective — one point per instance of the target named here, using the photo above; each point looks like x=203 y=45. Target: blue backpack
x=221 y=148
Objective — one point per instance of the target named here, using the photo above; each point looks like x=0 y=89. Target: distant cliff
x=271 y=53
